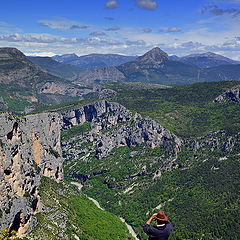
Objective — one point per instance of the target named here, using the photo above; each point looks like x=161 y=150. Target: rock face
x=64 y=89
x=232 y=94
x=96 y=75
x=29 y=149
x=132 y=129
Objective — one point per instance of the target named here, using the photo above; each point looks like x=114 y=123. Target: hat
x=161 y=216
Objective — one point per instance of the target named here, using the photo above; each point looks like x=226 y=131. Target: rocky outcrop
x=29 y=149
x=64 y=89
x=96 y=112
x=232 y=94
x=217 y=141
x=114 y=126
x=96 y=75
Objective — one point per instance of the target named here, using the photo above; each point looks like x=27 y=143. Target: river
x=130 y=229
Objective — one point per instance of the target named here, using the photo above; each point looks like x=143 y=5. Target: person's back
x=162 y=230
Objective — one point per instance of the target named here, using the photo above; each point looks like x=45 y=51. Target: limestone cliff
x=29 y=149
x=114 y=126
x=232 y=94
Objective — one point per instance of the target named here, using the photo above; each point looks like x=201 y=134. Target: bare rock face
x=64 y=89
x=102 y=112
x=29 y=149
x=105 y=74
x=232 y=94
x=132 y=128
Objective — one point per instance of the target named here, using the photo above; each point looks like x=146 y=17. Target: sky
x=129 y=27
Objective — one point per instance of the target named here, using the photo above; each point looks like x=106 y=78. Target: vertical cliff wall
x=122 y=128
x=29 y=149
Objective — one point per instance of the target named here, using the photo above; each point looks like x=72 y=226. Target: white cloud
x=147 y=4
x=173 y=29
x=111 y=4
x=109 y=18
x=62 y=23
x=40 y=54
x=97 y=33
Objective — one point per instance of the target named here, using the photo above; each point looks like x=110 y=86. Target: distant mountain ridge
x=25 y=83
x=58 y=69
x=205 y=60
x=93 y=60
x=157 y=67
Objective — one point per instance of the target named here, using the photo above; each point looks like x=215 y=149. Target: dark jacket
x=156 y=233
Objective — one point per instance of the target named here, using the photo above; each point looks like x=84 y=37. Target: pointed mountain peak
x=155 y=55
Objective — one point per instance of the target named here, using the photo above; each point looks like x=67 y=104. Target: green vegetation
x=188 y=111
x=75 y=131
x=199 y=191
x=7 y=234
x=68 y=214
x=57 y=69
x=201 y=197
x=63 y=106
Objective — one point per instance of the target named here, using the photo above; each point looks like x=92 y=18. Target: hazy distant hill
x=23 y=83
x=206 y=60
x=56 y=68
x=93 y=60
x=221 y=73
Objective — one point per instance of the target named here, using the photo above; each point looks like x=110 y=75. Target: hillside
x=93 y=60
x=188 y=111
x=56 y=68
x=74 y=217
x=24 y=84
x=206 y=60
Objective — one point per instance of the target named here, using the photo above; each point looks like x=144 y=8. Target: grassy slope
x=68 y=213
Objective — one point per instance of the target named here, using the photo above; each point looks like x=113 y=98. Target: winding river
x=130 y=229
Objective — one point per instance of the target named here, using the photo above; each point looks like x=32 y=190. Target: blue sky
x=129 y=27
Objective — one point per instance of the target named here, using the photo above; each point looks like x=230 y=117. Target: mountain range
x=93 y=60
x=42 y=80
x=205 y=60
x=202 y=60
x=156 y=66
